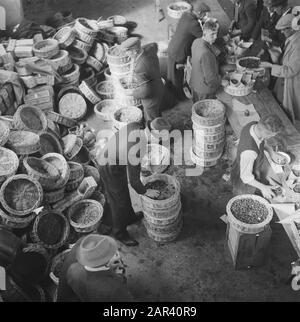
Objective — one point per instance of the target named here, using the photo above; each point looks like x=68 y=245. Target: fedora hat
x=285 y=22
x=96 y=250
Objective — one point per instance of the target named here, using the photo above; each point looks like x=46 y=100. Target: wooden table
x=264 y=103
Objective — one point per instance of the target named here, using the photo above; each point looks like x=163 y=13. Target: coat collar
x=294 y=39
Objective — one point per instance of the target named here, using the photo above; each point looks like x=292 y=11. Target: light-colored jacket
x=287 y=88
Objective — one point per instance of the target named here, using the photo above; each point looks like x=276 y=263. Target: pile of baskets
x=208 y=118
x=163 y=218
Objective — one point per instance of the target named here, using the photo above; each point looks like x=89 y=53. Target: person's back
x=188 y=29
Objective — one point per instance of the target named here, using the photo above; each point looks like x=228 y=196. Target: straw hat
x=285 y=22
x=96 y=250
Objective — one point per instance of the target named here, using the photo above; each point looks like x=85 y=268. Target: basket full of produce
x=176 y=9
x=250 y=64
x=249 y=213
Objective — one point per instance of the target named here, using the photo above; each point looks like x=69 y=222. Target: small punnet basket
x=208 y=112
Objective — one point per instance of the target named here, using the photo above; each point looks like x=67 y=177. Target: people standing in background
x=146 y=63
x=205 y=78
x=244 y=19
x=287 y=87
x=188 y=29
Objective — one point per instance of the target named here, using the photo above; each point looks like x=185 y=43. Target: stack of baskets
x=208 y=118
x=163 y=218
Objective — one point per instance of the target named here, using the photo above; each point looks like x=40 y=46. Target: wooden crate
x=247 y=250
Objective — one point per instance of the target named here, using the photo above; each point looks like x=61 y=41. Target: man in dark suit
x=188 y=29
x=93 y=272
x=244 y=19
x=205 y=78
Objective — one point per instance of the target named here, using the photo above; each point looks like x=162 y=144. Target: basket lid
x=23 y=142
x=9 y=162
x=72 y=105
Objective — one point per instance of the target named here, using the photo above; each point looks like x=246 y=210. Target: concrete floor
x=196 y=267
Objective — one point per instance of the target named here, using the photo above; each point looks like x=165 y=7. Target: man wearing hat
x=288 y=83
x=93 y=272
x=146 y=70
x=188 y=29
x=117 y=169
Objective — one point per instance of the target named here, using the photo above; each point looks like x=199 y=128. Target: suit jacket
x=246 y=17
x=76 y=284
x=205 y=78
x=188 y=29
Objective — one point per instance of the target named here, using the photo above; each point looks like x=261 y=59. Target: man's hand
x=265 y=64
x=152 y=193
x=267 y=191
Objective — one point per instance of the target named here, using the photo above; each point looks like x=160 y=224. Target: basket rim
x=21 y=212
x=262 y=200
x=73 y=208
x=39 y=174
x=53 y=138
x=51 y=42
x=17 y=220
x=54 y=262
x=64 y=235
x=15 y=161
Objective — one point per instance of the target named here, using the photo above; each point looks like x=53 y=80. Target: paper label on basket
x=2 y=279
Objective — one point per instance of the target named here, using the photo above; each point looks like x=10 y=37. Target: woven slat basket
x=208 y=112
x=131 y=114
x=73 y=106
x=105 y=109
x=116 y=56
x=65 y=37
x=83 y=156
x=51 y=197
x=94 y=63
x=9 y=164
x=118 y=20
x=46 y=48
x=120 y=33
x=67 y=89
x=89 y=93
x=51 y=229
x=106 y=90
x=60 y=162
x=90 y=171
x=88 y=76
x=76 y=170
x=74 y=184
x=46 y=173
x=72 y=75
x=85 y=216
x=249 y=228
x=20 y=195
x=30 y=118
x=82 y=36
x=104 y=24
x=176 y=9
x=23 y=142
x=82 y=45
x=85 y=26
x=239 y=91
x=4 y=133
x=60 y=119
x=72 y=146
x=16 y=222
x=100 y=52
x=202 y=162
x=78 y=55
x=50 y=143
x=60 y=60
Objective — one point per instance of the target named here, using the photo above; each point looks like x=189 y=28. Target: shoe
x=127 y=240
x=137 y=218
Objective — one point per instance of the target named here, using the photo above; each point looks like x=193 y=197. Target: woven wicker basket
x=120 y=33
x=57 y=262
x=120 y=70
x=72 y=75
x=46 y=48
x=16 y=222
x=259 y=70
x=60 y=162
x=20 y=195
x=89 y=93
x=51 y=197
x=239 y=91
x=66 y=90
x=23 y=142
x=105 y=109
x=83 y=25
x=208 y=112
x=83 y=156
x=49 y=143
x=118 y=20
x=83 y=209
x=82 y=36
x=117 y=57
x=60 y=60
x=72 y=146
x=88 y=76
x=136 y=115
x=65 y=37
x=4 y=133
x=202 y=162
x=46 y=225
x=73 y=106
x=249 y=228
x=74 y=184
x=176 y=9
x=106 y=90
x=82 y=45
x=104 y=24
x=90 y=171
x=60 y=119
x=30 y=118
x=9 y=164
x=76 y=170
x=46 y=173
x=78 y=55
x=94 y=63
x=100 y=52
